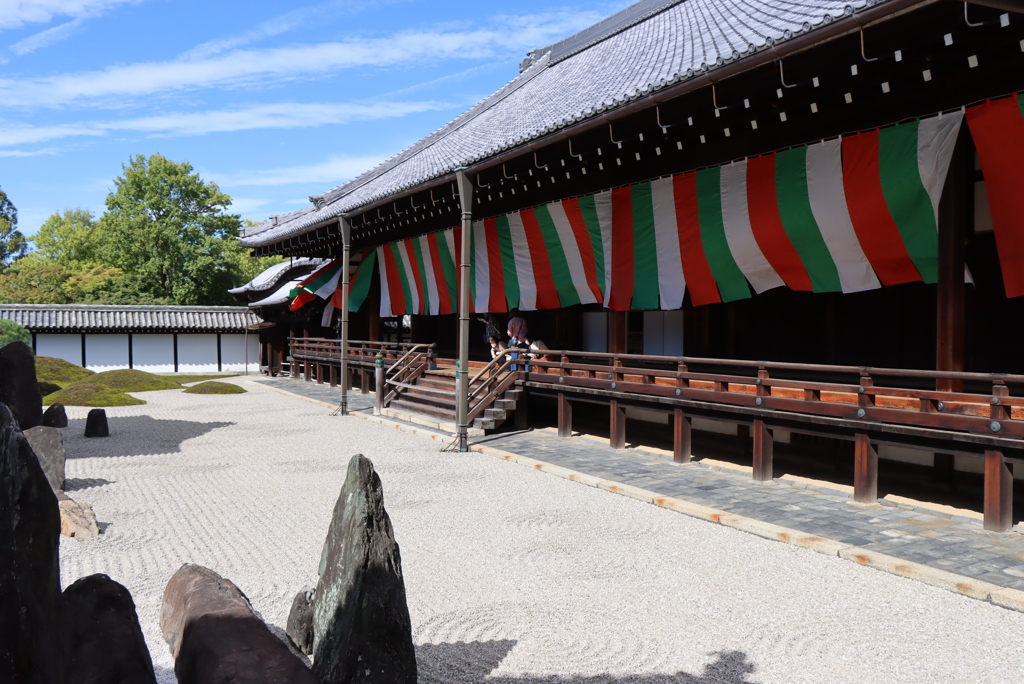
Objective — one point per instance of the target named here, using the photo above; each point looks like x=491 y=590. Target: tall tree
x=70 y=238
x=168 y=230
x=12 y=242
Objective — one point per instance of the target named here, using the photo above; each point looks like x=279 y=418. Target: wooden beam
x=998 y=493
x=334 y=374
x=682 y=438
x=953 y=221
x=865 y=470
x=617 y=332
x=763 y=451
x=564 y=416
x=617 y=436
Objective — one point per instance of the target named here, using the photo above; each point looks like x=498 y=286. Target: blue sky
x=273 y=101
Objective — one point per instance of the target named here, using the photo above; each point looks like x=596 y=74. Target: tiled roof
x=109 y=318
x=273 y=275
x=648 y=46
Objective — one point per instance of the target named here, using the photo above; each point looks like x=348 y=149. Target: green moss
x=214 y=388
x=87 y=393
x=186 y=379
x=48 y=387
x=59 y=371
x=127 y=380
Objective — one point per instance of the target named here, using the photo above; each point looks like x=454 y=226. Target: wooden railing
x=403 y=373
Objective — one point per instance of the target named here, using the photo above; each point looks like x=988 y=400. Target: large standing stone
x=101 y=635
x=300 y=620
x=19 y=388
x=55 y=416
x=96 y=423
x=29 y=568
x=361 y=628
x=48 y=445
x=217 y=638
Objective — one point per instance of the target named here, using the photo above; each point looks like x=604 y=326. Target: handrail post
x=462 y=372
x=346 y=234
x=378 y=372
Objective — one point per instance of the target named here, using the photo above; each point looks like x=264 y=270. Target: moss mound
x=132 y=381
x=48 y=387
x=87 y=393
x=186 y=379
x=214 y=387
x=59 y=371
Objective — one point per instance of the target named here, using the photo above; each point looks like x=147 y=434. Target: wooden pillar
x=295 y=367
x=998 y=493
x=617 y=332
x=306 y=370
x=682 y=429
x=373 y=304
x=564 y=416
x=334 y=375
x=319 y=373
x=954 y=217
x=364 y=381
x=764 y=451
x=523 y=410
x=865 y=470
x=617 y=437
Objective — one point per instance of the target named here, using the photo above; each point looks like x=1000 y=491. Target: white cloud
x=248 y=205
x=335 y=171
x=27 y=153
x=270 y=116
x=46 y=38
x=17 y=13
x=508 y=35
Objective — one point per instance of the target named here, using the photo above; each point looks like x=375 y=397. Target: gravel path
x=513 y=576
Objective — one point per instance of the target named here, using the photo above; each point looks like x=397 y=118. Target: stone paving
x=947 y=542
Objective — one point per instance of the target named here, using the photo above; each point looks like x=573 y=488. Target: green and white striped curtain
x=842 y=215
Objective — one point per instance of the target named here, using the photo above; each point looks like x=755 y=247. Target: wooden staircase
x=432 y=394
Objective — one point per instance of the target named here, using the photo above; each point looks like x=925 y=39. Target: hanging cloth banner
x=322 y=283
x=998 y=131
x=843 y=215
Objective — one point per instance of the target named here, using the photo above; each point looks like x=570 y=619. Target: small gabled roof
x=94 y=318
x=648 y=46
x=270 y=278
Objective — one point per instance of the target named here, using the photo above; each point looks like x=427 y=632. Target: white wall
x=153 y=352
x=61 y=346
x=105 y=352
x=232 y=351
x=595 y=331
x=197 y=353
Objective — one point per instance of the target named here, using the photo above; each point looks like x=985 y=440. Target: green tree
x=168 y=230
x=71 y=238
x=34 y=281
x=13 y=332
x=12 y=242
x=248 y=267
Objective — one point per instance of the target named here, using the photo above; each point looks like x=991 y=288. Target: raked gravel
x=513 y=575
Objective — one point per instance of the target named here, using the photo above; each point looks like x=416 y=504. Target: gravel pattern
x=513 y=575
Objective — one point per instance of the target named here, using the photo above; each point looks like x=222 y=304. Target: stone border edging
x=1012 y=599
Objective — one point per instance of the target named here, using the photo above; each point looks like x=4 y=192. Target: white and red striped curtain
x=842 y=215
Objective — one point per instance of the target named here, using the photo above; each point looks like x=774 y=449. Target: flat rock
x=300 y=620
x=29 y=566
x=101 y=635
x=48 y=445
x=55 y=416
x=19 y=389
x=96 y=423
x=77 y=520
x=361 y=627
x=217 y=638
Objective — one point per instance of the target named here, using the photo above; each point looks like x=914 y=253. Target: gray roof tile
x=109 y=318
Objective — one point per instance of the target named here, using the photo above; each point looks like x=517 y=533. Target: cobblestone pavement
x=947 y=542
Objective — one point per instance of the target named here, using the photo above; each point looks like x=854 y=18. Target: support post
x=617 y=437
x=307 y=370
x=462 y=372
x=998 y=493
x=865 y=469
x=764 y=451
x=380 y=389
x=564 y=416
x=346 y=246
x=364 y=381
x=334 y=377
x=682 y=439
x=523 y=410
x=954 y=215
x=617 y=332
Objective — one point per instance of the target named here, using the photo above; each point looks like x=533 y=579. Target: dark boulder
x=48 y=445
x=29 y=567
x=361 y=627
x=217 y=638
x=55 y=416
x=300 y=620
x=96 y=424
x=19 y=388
x=101 y=635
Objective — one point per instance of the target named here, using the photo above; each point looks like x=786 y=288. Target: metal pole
x=462 y=372
x=346 y=242
x=379 y=385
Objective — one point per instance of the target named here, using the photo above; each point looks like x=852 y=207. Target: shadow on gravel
x=137 y=436
x=77 y=484
x=475 y=660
